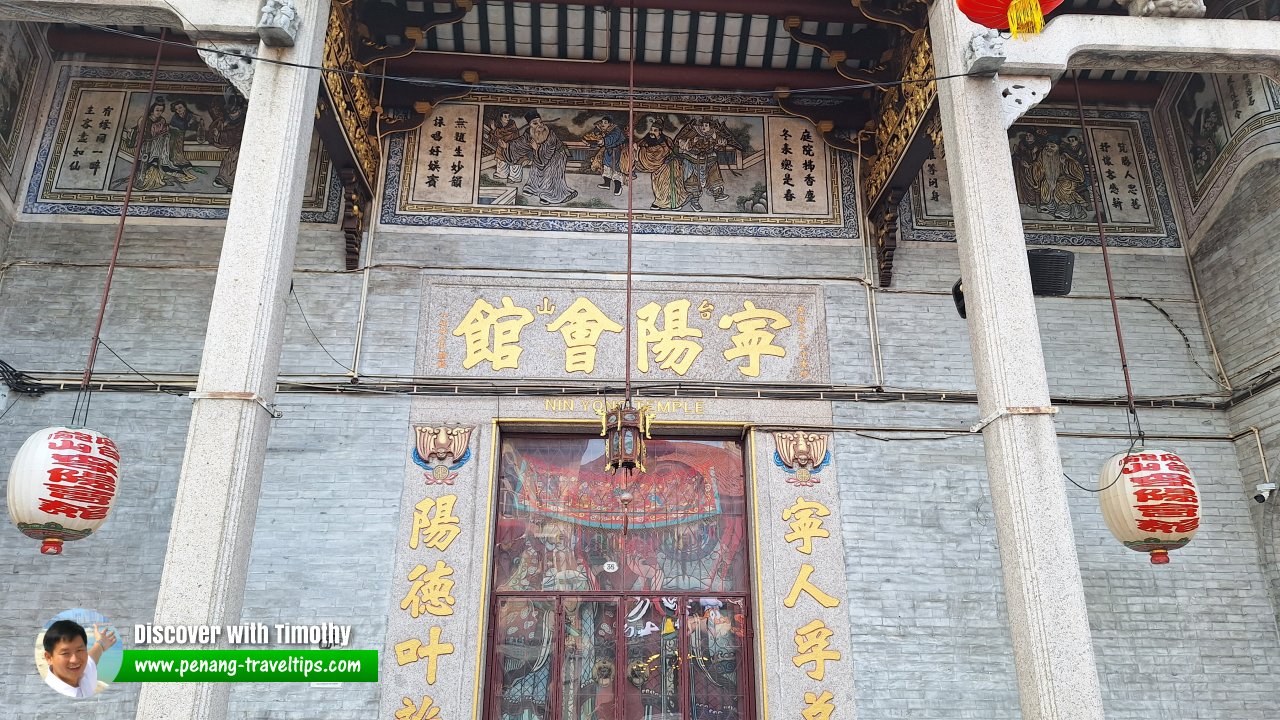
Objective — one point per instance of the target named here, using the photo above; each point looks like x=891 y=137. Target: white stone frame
x=1056 y=670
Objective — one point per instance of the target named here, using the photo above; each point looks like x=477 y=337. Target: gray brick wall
x=322 y=542
x=689 y=257
x=326 y=518
x=115 y=571
x=1263 y=412
x=1238 y=270
x=922 y=564
x=1239 y=276
x=1195 y=638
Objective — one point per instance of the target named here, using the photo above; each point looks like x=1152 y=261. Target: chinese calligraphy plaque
x=526 y=329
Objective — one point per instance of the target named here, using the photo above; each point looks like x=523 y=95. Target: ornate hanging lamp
x=62 y=484
x=1149 y=501
x=1021 y=17
x=625 y=429
x=624 y=426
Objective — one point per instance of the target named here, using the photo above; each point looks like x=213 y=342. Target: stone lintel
x=1145 y=43
x=197 y=18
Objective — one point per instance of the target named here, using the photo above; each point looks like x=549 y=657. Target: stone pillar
x=1057 y=676
x=213 y=517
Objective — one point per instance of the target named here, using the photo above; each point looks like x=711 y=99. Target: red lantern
x=1149 y=501
x=62 y=485
x=1022 y=17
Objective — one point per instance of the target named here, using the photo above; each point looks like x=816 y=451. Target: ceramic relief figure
x=544 y=153
x=161 y=161
x=698 y=144
x=656 y=155
x=225 y=131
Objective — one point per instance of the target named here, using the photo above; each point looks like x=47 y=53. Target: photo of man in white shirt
x=73 y=667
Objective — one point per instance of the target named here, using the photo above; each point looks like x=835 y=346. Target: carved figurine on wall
x=441 y=450
x=225 y=131
x=1025 y=152
x=160 y=156
x=545 y=154
x=698 y=144
x=656 y=155
x=17 y=60
x=802 y=454
x=502 y=133
x=1201 y=115
x=1059 y=179
x=609 y=160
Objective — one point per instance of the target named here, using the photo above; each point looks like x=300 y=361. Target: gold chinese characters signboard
x=806 y=635
x=742 y=333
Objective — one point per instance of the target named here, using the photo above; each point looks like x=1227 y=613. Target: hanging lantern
x=1149 y=501
x=62 y=485
x=1022 y=17
x=625 y=429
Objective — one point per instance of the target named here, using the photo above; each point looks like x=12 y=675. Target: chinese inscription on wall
x=750 y=333
x=804 y=581
x=1056 y=167
x=550 y=157
x=422 y=635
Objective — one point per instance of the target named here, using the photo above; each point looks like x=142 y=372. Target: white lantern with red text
x=62 y=485
x=1149 y=501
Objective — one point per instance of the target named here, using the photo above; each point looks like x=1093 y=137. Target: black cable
x=939 y=436
x=6 y=410
x=135 y=371
x=19 y=382
x=1132 y=444
x=313 y=332
x=1185 y=341
x=456 y=84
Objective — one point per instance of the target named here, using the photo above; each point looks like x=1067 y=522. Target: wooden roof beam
x=809 y=10
x=425 y=65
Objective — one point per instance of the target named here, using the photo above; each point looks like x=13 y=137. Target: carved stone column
x=1053 y=652
x=217 y=501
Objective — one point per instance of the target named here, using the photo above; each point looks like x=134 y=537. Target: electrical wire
x=312 y=331
x=6 y=410
x=1106 y=261
x=1132 y=444
x=1186 y=340
x=135 y=371
x=80 y=413
x=477 y=86
x=18 y=381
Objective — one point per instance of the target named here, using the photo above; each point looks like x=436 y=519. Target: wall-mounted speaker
x=1051 y=272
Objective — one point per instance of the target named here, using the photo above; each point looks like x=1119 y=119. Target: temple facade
x=887 y=288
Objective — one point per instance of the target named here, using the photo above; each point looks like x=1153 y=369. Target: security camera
x=1264 y=491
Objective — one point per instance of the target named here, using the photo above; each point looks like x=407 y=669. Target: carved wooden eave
x=382 y=20
x=839 y=119
x=863 y=58
x=888 y=126
x=908 y=15
x=344 y=114
x=871 y=46
x=905 y=133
